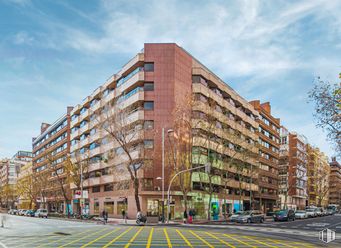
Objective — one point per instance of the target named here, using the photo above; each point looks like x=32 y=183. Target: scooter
x=141 y=219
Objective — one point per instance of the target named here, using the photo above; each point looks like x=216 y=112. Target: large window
x=96 y=189
x=149 y=86
x=109 y=207
x=96 y=207
x=148 y=105
x=152 y=207
x=148 y=124
x=149 y=144
x=149 y=66
x=109 y=187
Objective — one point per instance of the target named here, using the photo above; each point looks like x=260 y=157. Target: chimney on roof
x=267 y=107
x=43 y=127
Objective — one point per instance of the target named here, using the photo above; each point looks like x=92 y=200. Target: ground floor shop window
x=122 y=206
x=109 y=207
x=96 y=207
x=152 y=207
x=199 y=208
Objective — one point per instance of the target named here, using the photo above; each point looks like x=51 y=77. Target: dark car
x=30 y=213
x=284 y=215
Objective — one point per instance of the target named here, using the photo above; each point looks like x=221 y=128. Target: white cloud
x=23 y=37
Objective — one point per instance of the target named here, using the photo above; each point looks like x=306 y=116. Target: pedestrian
x=124 y=216
x=105 y=216
x=3 y=220
x=185 y=216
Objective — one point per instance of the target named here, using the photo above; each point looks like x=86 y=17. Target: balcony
x=95 y=151
x=75 y=121
x=83 y=142
x=74 y=134
x=83 y=129
x=84 y=115
x=135 y=116
x=75 y=147
x=92 y=181
x=95 y=136
x=137 y=96
x=96 y=106
x=107 y=179
x=139 y=76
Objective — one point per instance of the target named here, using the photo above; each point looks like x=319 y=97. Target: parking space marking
x=222 y=241
x=167 y=238
x=100 y=237
x=238 y=240
x=259 y=242
x=201 y=239
x=134 y=237
x=119 y=236
x=184 y=238
x=150 y=237
x=86 y=236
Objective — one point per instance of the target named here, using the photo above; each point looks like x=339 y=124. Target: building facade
x=50 y=149
x=150 y=88
x=293 y=170
x=318 y=177
x=9 y=171
x=269 y=144
x=335 y=182
x=25 y=187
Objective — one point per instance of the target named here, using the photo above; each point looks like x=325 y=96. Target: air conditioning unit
x=157 y=188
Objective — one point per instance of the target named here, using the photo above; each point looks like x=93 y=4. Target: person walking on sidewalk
x=105 y=216
x=124 y=216
x=185 y=216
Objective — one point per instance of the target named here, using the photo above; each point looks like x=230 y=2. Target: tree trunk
x=136 y=194
x=209 y=207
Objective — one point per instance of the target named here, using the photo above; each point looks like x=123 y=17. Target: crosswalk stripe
x=222 y=241
x=119 y=236
x=184 y=238
x=150 y=238
x=100 y=237
x=134 y=237
x=201 y=239
x=167 y=238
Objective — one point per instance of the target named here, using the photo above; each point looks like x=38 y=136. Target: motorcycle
x=141 y=219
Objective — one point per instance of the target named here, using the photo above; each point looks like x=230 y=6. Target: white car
x=311 y=213
x=235 y=215
x=301 y=214
x=41 y=213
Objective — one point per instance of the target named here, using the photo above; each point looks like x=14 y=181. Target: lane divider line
x=222 y=241
x=100 y=237
x=184 y=238
x=134 y=237
x=119 y=236
x=167 y=238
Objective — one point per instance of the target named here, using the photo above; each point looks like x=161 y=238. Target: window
x=149 y=66
x=93 y=146
x=83 y=110
x=93 y=131
x=83 y=123
x=109 y=187
x=96 y=189
x=148 y=125
x=96 y=207
x=148 y=105
x=109 y=207
x=149 y=144
x=149 y=86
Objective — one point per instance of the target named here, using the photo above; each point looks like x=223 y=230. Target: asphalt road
x=33 y=232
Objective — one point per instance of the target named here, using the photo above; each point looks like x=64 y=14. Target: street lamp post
x=206 y=166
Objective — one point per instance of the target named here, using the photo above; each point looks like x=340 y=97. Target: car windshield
x=310 y=210
x=300 y=212
x=282 y=212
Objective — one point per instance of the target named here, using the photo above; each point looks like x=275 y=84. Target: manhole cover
x=61 y=233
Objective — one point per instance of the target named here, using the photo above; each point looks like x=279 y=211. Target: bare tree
x=25 y=189
x=327 y=100
x=125 y=134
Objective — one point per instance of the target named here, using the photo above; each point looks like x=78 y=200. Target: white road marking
x=3 y=245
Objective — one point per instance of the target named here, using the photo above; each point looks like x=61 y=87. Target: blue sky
x=55 y=53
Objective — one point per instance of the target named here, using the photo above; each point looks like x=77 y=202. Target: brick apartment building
x=335 y=182
x=318 y=177
x=50 y=149
x=293 y=170
x=269 y=144
x=151 y=86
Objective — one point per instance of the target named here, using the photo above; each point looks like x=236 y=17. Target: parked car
x=235 y=215
x=301 y=214
x=251 y=217
x=30 y=213
x=21 y=212
x=284 y=215
x=12 y=211
x=41 y=213
x=311 y=212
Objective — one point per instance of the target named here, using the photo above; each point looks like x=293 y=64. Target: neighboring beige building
x=318 y=177
x=24 y=187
